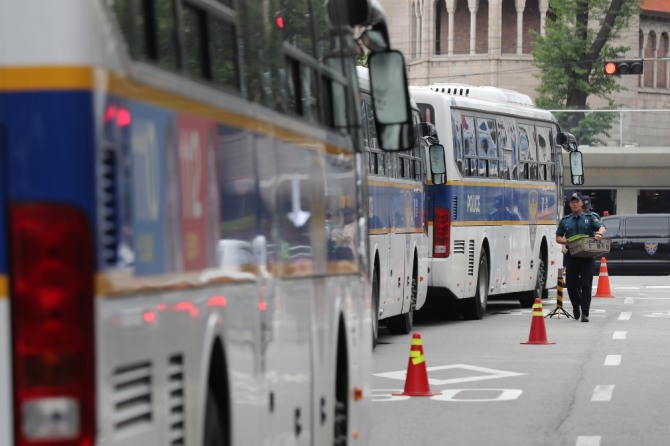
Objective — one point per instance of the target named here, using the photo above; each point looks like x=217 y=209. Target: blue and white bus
x=397 y=221
x=492 y=224
x=166 y=172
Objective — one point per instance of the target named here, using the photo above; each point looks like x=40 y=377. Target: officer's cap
x=587 y=201
x=575 y=196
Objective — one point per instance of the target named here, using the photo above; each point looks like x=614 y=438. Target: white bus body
x=492 y=225
x=397 y=227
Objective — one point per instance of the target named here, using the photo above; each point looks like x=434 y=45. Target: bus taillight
x=441 y=232
x=51 y=299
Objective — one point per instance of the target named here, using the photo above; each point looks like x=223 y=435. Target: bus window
x=458 y=144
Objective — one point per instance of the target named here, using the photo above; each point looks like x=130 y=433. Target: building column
x=520 y=7
x=473 y=6
x=495 y=28
x=451 y=10
x=419 y=29
x=544 y=7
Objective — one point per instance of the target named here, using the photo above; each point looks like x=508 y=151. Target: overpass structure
x=625 y=180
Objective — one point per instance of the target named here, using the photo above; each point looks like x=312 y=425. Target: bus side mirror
x=427 y=129
x=438 y=167
x=577 y=168
x=388 y=84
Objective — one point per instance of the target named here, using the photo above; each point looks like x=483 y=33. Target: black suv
x=640 y=244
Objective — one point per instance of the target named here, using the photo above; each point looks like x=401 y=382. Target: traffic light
x=614 y=67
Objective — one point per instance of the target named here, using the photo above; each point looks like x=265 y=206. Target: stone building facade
x=489 y=42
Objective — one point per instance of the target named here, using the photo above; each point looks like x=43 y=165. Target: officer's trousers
x=579 y=279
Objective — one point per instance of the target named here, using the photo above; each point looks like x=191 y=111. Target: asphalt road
x=604 y=382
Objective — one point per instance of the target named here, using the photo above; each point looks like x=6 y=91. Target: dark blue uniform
x=579 y=270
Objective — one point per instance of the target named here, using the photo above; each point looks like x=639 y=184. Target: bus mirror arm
x=567 y=141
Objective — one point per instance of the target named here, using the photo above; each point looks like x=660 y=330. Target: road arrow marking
x=484 y=374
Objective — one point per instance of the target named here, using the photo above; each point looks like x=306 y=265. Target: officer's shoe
x=585 y=318
x=577 y=313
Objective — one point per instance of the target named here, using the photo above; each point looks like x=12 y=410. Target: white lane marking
x=659 y=287
x=625 y=316
x=388 y=395
x=619 y=335
x=501 y=395
x=482 y=373
x=602 y=393
x=584 y=440
x=629 y=300
x=658 y=314
x=625 y=287
x=612 y=360
x=654 y=298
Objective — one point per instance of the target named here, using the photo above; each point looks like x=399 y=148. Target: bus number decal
x=193 y=180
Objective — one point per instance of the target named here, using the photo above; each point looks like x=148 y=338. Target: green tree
x=570 y=57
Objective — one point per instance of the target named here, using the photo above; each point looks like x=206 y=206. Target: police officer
x=579 y=270
x=586 y=207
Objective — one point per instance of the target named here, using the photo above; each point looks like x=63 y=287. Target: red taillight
x=441 y=232
x=51 y=298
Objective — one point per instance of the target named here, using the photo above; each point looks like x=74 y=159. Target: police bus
x=166 y=172
x=492 y=224
x=397 y=224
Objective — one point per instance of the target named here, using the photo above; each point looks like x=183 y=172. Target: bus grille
x=132 y=399
x=459 y=246
x=109 y=194
x=454 y=208
x=176 y=416
x=471 y=258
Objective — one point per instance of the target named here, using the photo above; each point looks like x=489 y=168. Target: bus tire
x=375 y=307
x=527 y=298
x=541 y=282
x=475 y=307
x=341 y=410
x=214 y=434
x=403 y=323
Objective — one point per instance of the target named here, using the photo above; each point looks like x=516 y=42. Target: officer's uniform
x=579 y=270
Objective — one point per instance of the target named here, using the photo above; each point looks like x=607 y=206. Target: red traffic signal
x=614 y=67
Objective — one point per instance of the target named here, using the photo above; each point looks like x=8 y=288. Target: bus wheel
x=403 y=323
x=375 y=308
x=214 y=435
x=527 y=298
x=475 y=307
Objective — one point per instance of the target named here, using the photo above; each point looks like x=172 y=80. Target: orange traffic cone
x=603 y=281
x=538 y=335
x=416 y=382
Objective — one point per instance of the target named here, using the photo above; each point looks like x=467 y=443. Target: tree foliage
x=578 y=38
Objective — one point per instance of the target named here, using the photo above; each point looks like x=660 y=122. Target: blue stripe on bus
x=398 y=208
x=494 y=202
x=48 y=149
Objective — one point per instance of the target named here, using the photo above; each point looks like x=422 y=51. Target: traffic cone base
x=603 y=281
x=538 y=334
x=416 y=382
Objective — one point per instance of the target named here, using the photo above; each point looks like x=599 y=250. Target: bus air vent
x=131 y=397
x=459 y=246
x=471 y=258
x=454 y=208
x=109 y=201
x=176 y=416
